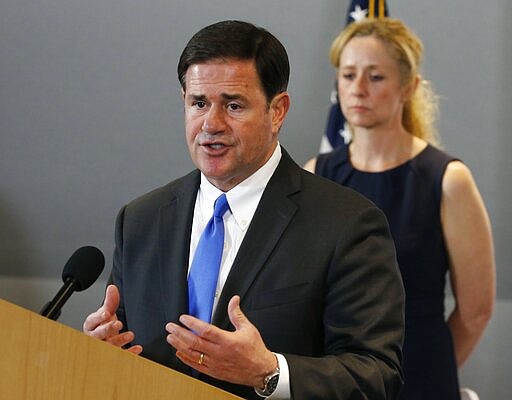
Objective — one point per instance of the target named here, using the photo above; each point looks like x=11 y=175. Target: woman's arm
x=467 y=231
x=310 y=165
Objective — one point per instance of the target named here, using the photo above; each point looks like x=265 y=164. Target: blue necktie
x=204 y=272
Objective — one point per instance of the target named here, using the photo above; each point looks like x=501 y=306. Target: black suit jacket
x=316 y=274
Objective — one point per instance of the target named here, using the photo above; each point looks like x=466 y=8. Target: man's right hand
x=104 y=325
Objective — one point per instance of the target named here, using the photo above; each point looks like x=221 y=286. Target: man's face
x=231 y=130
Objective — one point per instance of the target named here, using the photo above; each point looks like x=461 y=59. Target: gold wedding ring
x=201 y=359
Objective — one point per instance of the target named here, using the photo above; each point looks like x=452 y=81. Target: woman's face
x=369 y=85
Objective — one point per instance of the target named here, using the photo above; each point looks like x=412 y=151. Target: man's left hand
x=238 y=357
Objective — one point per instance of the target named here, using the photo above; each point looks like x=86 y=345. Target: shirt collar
x=244 y=198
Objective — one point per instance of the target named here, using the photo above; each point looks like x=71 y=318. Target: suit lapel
x=175 y=228
x=272 y=216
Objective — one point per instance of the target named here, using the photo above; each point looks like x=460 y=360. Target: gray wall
x=90 y=117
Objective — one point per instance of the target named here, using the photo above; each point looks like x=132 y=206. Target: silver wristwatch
x=270 y=383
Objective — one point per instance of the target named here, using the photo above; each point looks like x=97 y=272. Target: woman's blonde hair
x=420 y=110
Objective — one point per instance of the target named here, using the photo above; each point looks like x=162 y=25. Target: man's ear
x=279 y=108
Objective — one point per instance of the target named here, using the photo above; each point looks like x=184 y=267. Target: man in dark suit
x=308 y=301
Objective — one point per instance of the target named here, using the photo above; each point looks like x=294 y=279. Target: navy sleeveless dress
x=410 y=196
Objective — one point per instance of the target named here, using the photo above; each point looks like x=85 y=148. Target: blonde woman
x=437 y=217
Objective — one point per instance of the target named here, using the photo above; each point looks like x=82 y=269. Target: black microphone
x=80 y=272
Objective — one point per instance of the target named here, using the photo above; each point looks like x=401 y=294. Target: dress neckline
x=389 y=170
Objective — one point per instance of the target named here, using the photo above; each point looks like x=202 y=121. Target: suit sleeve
x=116 y=273
x=363 y=319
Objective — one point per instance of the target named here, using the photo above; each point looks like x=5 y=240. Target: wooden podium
x=45 y=360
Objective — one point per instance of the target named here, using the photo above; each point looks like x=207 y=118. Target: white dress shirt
x=243 y=200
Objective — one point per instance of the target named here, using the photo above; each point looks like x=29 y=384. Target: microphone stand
x=52 y=309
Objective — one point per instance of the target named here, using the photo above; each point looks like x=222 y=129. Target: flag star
x=334 y=97
x=358 y=14
x=346 y=133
